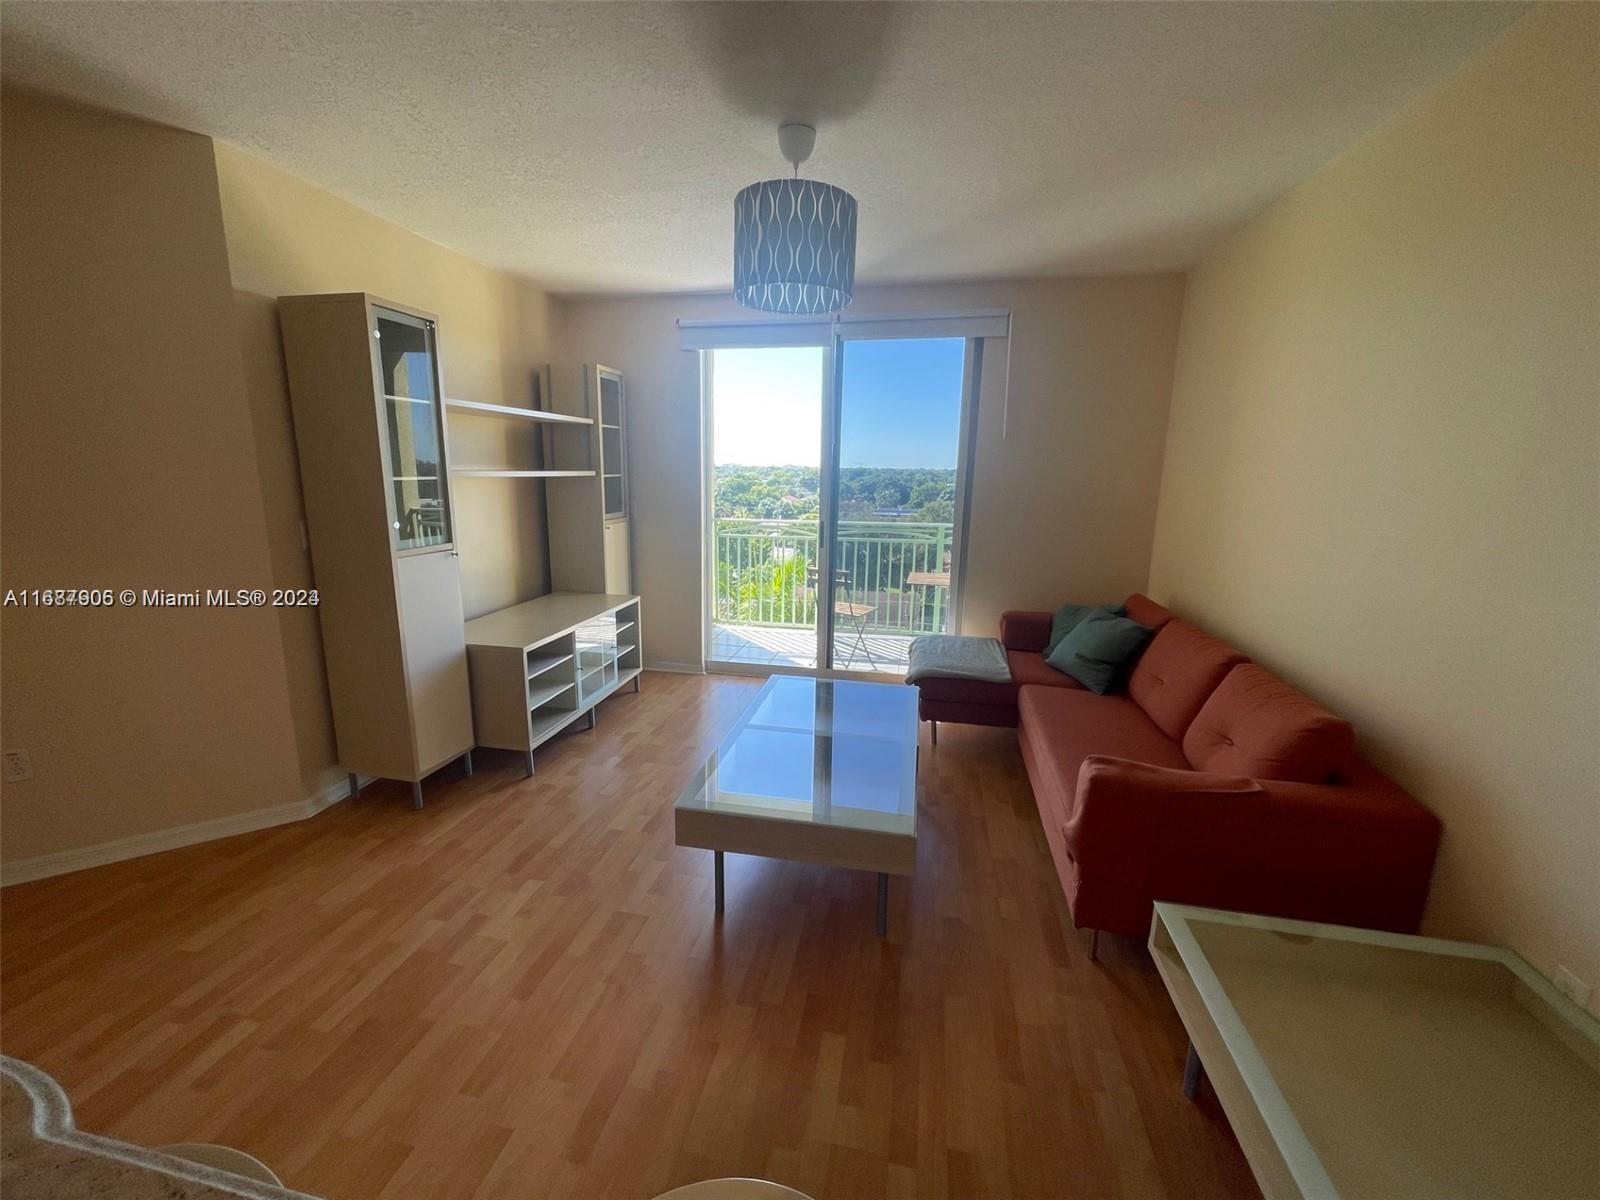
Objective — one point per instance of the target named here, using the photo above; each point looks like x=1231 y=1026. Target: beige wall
x=147 y=443
x=286 y=237
x=1383 y=469
x=1063 y=505
x=128 y=462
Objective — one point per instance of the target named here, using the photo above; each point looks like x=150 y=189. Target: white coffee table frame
x=1270 y=1133
x=882 y=840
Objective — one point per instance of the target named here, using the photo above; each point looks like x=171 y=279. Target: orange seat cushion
x=1066 y=725
x=1178 y=673
x=1255 y=724
x=1031 y=670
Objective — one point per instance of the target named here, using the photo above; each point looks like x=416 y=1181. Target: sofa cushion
x=1031 y=670
x=1255 y=724
x=1066 y=725
x=1067 y=618
x=1178 y=672
x=1145 y=611
x=1097 y=649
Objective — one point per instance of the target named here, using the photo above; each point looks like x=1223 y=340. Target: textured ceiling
x=597 y=146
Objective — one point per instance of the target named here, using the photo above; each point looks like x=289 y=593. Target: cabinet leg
x=529 y=761
x=636 y=680
x=466 y=760
x=1193 y=1073
x=355 y=785
x=934 y=728
x=718 y=872
x=594 y=716
x=416 y=793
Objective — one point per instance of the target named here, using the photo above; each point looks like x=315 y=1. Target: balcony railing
x=765 y=569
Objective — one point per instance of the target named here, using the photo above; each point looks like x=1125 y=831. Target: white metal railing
x=765 y=572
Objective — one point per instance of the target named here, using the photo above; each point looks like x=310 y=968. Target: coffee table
x=815 y=770
x=1353 y=1063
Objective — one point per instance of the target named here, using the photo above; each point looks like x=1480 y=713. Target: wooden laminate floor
x=521 y=992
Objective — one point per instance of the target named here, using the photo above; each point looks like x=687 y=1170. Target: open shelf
x=500 y=473
x=524 y=414
x=538 y=666
x=549 y=721
x=543 y=695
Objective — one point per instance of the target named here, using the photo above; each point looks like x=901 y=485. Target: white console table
x=538 y=666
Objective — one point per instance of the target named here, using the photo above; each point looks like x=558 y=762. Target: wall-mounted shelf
x=497 y=473
x=525 y=414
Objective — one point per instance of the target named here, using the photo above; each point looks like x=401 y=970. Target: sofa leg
x=1094 y=945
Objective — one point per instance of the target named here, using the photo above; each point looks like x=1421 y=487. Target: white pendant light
x=794 y=240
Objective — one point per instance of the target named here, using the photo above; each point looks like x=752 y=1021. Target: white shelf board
x=543 y=695
x=524 y=414
x=538 y=666
x=499 y=473
x=551 y=721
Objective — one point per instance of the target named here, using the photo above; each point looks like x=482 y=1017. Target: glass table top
x=819 y=751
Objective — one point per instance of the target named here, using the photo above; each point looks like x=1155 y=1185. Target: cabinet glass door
x=409 y=374
x=613 y=452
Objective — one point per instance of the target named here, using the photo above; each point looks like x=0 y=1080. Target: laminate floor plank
x=521 y=991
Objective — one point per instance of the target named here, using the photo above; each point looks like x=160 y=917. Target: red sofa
x=1204 y=780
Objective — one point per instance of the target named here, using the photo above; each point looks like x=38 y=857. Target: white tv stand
x=538 y=666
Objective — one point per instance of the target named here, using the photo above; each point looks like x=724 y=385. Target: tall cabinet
x=587 y=516
x=369 y=424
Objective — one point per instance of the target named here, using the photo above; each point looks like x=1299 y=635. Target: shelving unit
x=590 y=542
x=371 y=436
x=537 y=667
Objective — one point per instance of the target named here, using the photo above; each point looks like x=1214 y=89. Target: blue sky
x=902 y=404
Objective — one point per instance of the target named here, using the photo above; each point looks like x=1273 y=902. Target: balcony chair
x=847 y=608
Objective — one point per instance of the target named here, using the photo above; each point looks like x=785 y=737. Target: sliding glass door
x=835 y=487
x=766 y=415
x=895 y=495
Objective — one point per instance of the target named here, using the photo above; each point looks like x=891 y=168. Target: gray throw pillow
x=1067 y=618
x=1094 y=650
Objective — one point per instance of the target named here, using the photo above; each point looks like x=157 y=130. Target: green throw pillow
x=1066 y=619
x=1094 y=650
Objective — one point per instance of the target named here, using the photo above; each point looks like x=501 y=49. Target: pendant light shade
x=794 y=243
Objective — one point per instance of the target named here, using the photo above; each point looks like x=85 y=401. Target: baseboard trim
x=676 y=668
x=81 y=859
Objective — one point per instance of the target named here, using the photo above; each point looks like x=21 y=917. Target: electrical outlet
x=1570 y=986
x=18 y=766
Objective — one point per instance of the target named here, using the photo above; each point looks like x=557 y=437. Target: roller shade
x=727 y=335
x=750 y=335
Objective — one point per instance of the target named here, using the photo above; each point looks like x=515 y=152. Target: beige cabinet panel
x=431 y=629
